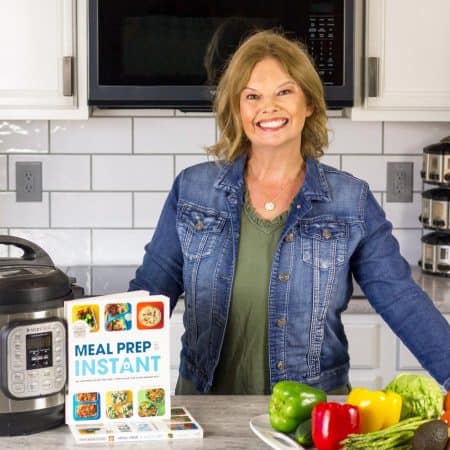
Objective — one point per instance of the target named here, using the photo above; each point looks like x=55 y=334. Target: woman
x=264 y=242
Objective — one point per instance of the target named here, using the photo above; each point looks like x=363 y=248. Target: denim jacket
x=334 y=229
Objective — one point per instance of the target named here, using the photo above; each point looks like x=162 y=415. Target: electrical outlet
x=28 y=181
x=399 y=182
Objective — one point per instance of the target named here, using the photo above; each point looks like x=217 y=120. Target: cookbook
x=119 y=367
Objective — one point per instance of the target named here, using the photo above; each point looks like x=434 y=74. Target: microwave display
x=39 y=350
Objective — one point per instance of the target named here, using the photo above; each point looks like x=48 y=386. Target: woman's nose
x=270 y=107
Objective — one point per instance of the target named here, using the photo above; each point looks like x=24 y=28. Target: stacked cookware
x=436 y=209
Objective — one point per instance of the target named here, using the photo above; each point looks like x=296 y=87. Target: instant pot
x=32 y=339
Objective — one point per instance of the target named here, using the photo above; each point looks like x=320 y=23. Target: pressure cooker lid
x=31 y=278
x=436 y=238
x=437 y=194
x=441 y=148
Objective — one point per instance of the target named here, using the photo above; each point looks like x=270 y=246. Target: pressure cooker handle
x=32 y=253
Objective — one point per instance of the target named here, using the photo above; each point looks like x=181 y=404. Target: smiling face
x=273 y=107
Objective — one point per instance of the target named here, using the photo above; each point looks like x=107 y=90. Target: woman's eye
x=251 y=96
x=284 y=92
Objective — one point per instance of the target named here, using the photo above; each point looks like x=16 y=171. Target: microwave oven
x=169 y=53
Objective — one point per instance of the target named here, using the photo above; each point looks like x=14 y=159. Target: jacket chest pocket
x=324 y=244
x=199 y=229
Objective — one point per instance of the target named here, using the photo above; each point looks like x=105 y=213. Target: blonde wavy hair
x=294 y=58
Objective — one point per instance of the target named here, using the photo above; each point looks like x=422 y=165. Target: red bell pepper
x=331 y=423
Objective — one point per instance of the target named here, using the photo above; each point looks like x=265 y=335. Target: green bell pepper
x=291 y=403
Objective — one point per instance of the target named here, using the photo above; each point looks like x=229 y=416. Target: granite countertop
x=438 y=288
x=224 y=418
x=101 y=280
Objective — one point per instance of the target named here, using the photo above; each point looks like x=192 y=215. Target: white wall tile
x=183 y=161
x=23 y=214
x=59 y=172
x=3 y=248
x=412 y=137
x=410 y=244
x=3 y=170
x=23 y=136
x=119 y=247
x=373 y=169
x=404 y=215
x=331 y=160
x=65 y=247
x=173 y=135
x=132 y=173
x=91 y=209
x=346 y=136
x=147 y=208
x=95 y=135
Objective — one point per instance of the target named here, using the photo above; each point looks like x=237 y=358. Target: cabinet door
x=411 y=41
x=36 y=37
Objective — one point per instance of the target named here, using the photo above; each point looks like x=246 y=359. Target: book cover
x=180 y=425
x=118 y=360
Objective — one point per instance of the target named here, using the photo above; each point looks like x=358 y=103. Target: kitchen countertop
x=224 y=418
x=101 y=280
x=438 y=289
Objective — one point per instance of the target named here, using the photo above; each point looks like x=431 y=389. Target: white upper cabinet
x=43 y=59
x=406 y=61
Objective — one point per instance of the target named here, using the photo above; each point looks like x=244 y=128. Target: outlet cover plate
x=399 y=182
x=29 y=181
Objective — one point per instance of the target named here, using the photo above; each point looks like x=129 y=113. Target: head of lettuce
x=421 y=395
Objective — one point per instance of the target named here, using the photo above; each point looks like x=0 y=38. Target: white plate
x=260 y=425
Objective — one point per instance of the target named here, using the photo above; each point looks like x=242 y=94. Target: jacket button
x=199 y=225
x=326 y=234
x=281 y=323
x=289 y=237
x=280 y=365
x=283 y=276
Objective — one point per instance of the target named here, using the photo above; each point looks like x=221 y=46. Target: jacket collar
x=315 y=185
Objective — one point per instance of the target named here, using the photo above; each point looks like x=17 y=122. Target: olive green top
x=243 y=365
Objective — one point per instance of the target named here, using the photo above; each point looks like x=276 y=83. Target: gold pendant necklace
x=270 y=205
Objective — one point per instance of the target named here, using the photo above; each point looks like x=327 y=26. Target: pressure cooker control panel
x=35 y=359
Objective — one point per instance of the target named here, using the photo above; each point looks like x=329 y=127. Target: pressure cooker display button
x=33 y=388
x=18 y=388
x=18 y=377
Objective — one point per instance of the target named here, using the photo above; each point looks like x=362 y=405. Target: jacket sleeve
x=385 y=278
x=161 y=271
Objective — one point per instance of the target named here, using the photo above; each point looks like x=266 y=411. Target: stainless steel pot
x=32 y=339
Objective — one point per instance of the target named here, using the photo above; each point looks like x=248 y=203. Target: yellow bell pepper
x=377 y=409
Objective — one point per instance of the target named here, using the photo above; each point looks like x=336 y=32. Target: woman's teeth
x=272 y=124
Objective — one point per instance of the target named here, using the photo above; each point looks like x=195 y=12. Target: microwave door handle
x=373 y=71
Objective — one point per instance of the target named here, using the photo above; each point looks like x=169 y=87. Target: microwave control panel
x=35 y=359
x=322 y=38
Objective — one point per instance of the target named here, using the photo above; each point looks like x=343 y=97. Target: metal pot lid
x=437 y=194
x=441 y=148
x=31 y=278
x=436 y=238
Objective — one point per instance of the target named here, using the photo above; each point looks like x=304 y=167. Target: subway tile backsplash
x=96 y=135
x=105 y=180
x=30 y=136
